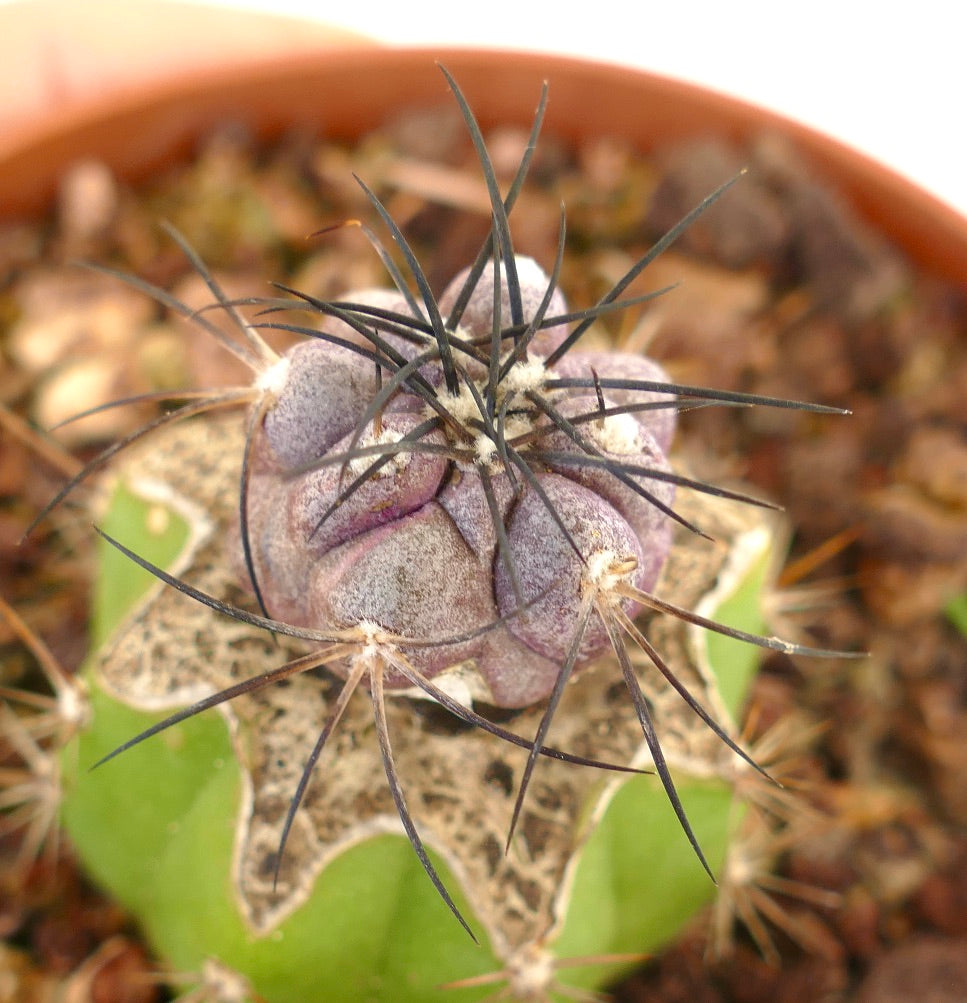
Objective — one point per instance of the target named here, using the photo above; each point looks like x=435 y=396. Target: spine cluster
x=482 y=515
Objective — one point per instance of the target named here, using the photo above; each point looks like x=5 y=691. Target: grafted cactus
x=448 y=498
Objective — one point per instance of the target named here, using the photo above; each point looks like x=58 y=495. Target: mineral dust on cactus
x=449 y=497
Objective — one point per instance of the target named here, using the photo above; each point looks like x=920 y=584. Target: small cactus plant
x=443 y=497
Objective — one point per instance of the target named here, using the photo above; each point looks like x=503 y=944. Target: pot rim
x=144 y=128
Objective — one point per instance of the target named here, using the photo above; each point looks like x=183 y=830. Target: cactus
x=446 y=498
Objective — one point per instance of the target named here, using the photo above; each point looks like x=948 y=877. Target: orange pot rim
x=347 y=91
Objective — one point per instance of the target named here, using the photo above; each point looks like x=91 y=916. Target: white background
x=887 y=78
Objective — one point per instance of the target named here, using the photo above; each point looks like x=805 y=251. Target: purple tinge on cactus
x=416 y=520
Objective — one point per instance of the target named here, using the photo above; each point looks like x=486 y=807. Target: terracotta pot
x=349 y=91
x=352 y=90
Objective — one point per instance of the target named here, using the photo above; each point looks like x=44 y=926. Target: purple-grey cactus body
x=416 y=577
x=552 y=575
x=418 y=523
x=326 y=389
x=624 y=366
x=478 y=316
x=402 y=486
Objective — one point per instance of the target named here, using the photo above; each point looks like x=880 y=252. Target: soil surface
x=781 y=291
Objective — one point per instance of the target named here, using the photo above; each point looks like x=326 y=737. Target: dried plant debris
x=34 y=729
x=783 y=296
